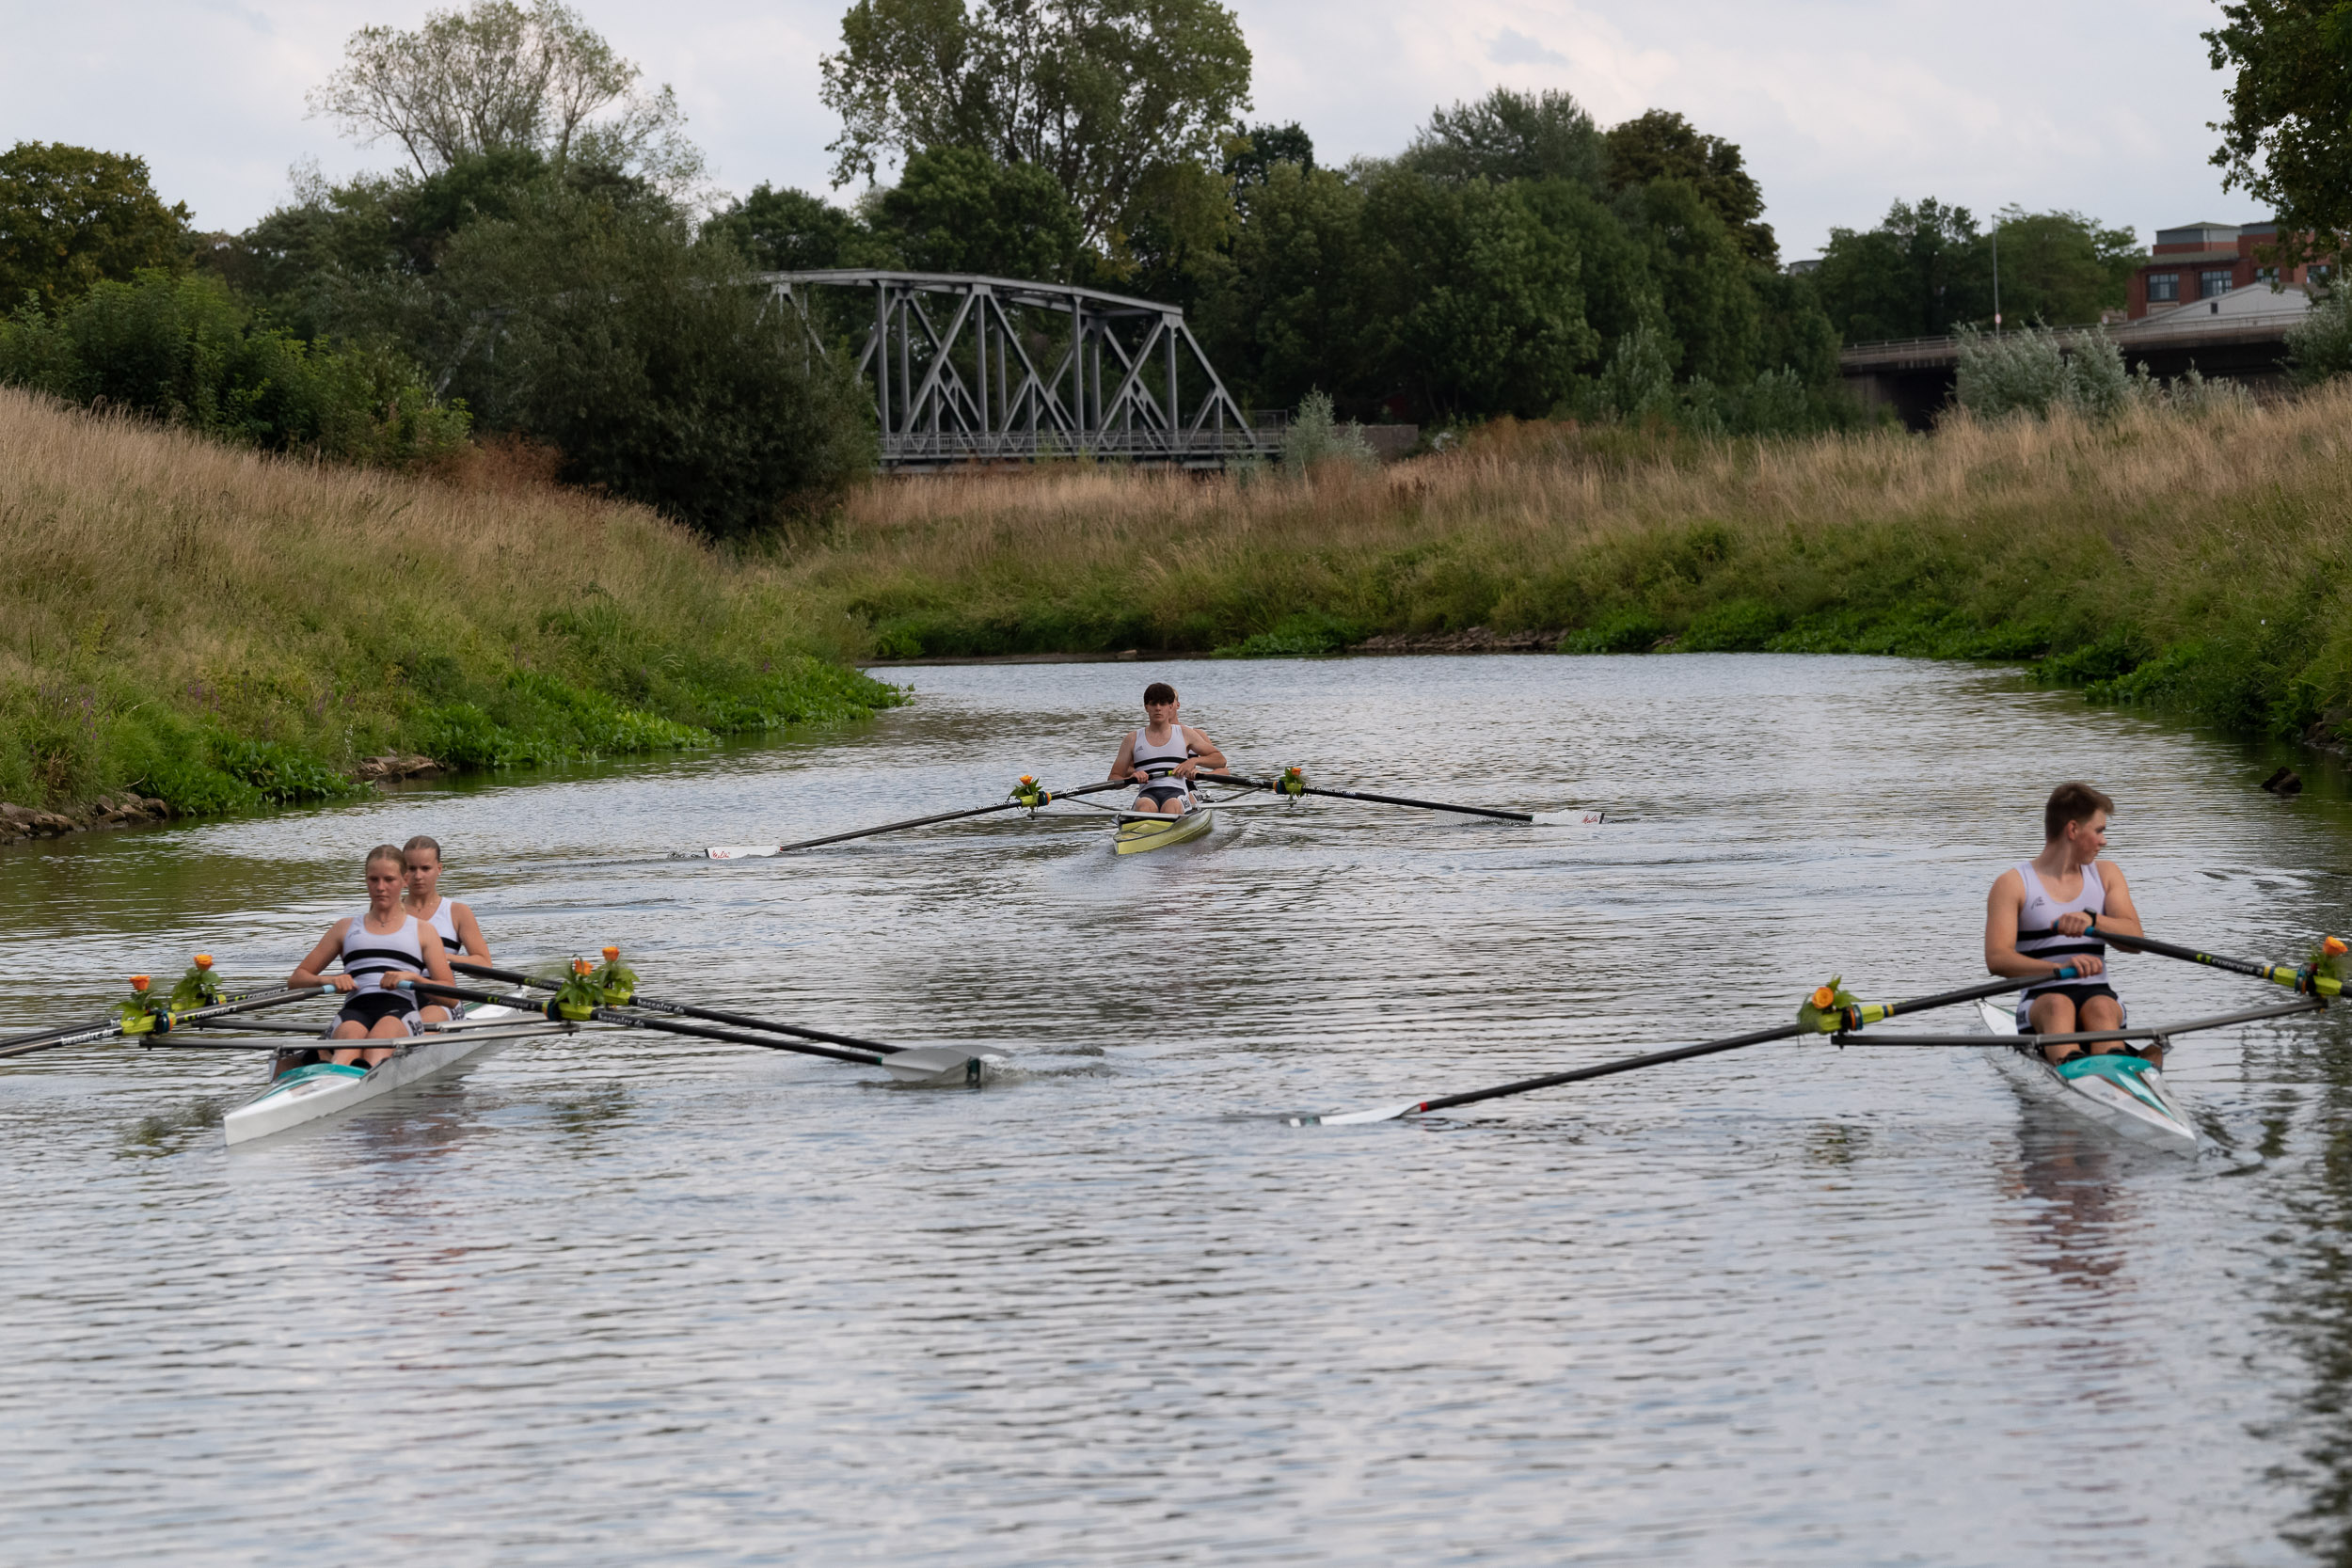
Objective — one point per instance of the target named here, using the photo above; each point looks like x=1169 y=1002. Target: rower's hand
x=1187 y=768
x=1139 y=777
x=342 y=983
x=2075 y=924
x=2084 y=964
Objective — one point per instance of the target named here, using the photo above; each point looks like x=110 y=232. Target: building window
x=2163 y=286
x=2265 y=275
x=2212 y=285
x=2321 y=273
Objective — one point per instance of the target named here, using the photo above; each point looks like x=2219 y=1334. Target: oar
x=1281 y=787
x=1851 y=1018
x=759 y=851
x=165 y=1022
x=931 y=1063
x=515 y=977
x=2278 y=975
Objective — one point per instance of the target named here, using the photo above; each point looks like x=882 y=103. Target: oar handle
x=1363 y=795
x=683 y=1011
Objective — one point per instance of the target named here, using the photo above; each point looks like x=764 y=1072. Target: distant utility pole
x=1996 y=280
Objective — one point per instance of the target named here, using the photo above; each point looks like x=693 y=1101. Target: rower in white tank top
x=1156 y=767
x=451 y=920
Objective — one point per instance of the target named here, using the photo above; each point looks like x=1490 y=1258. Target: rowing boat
x=1146 y=830
x=313 y=1093
x=2124 y=1094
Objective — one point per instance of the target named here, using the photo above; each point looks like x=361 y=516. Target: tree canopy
x=1661 y=145
x=1509 y=136
x=1927 y=268
x=2287 y=139
x=501 y=77
x=1097 y=92
x=72 y=218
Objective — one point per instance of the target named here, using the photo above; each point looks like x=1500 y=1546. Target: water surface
x=629 y=1300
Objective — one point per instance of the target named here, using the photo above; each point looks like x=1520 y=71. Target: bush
x=2038 y=371
x=2319 y=347
x=1316 y=436
x=1628 y=631
x=181 y=350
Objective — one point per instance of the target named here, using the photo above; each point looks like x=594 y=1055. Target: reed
x=220 y=626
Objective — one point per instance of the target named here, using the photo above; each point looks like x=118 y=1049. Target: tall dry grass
x=161 y=589
x=2201 y=557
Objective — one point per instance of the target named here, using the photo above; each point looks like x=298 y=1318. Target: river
x=627 y=1300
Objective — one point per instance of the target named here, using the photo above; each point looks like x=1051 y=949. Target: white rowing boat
x=2124 y=1094
x=313 y=1093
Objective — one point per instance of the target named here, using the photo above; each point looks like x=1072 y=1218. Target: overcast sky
x=1841 y=105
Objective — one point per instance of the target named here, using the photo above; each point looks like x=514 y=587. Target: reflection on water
x=625 y=1299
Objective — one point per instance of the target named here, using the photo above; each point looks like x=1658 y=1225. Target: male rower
x=2035 y=921
x=1164 y=756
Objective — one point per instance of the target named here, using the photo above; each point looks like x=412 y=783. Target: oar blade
x=738 y=852
x=937 y=1066
x=1571 y=819
x=1351 y=1118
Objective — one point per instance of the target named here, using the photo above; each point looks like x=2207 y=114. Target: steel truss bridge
x=967 y=369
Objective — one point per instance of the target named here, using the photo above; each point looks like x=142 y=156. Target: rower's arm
x=469 y=934
x=1124 y=763
x=2001 y=908
x=312 y=971
x=1203 y=750
x=2119 y=918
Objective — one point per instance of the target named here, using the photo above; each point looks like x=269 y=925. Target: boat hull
x=2130 y=1100
x=312 y=1094
x=1138 y=837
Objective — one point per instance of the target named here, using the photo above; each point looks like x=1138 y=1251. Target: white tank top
x=444 y=925
x=2038 y=935
x=1158 y=764
x=369 y=955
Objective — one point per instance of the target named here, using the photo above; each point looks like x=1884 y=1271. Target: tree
x=2288 y=140
x=1920 y=272
x=1254 y=150
x=1701 y=273
x=791 y=231
x=1661 y=145
x=507 y=77
x=1509 y=136
x=956 y=209
x=1289 y=318
x=2063 y=269
x=644 y=357
x=1097 y=92
x=72 y=218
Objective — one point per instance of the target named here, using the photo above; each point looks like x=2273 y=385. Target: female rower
x=453 y=921
x=380 y=948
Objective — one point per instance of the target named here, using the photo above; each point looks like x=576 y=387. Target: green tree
x=2062 y=268
x=2287 y=139
x=72 y=218
x=1290 y=317
x=956 y=209
x=646 y=357
x=1510 y=136
x=1700 y=268
x=504 y=78
x=1921 y=271
x=1097 y=92
x=1251 y=150
x=791 y=231
x=1478 y=301
x=1661 y=145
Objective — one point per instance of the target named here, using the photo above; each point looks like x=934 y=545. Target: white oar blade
x=1349 y=1118
x=741 y=851
x=1571 y=819
x=936 y=1064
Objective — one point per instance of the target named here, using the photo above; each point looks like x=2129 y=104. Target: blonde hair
x=421 y=841
x=386 y=852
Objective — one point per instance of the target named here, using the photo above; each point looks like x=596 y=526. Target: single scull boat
x=2123 y=1094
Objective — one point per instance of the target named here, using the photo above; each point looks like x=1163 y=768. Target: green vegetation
x=2288 y=140
x=1927 y=269
x=71 y=218
x=222 y=628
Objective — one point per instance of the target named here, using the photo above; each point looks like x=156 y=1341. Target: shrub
x=2319 y=347
x=1628 y=631
x=1316 y=436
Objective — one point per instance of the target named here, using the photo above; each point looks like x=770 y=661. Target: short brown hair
x=2073 y=801
x=386 y=852
x=1158 y=691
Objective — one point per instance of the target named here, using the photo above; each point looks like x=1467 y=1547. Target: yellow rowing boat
x=1137 y=834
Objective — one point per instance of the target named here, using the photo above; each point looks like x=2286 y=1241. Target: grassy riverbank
x=2200 y=562
x=217 y=627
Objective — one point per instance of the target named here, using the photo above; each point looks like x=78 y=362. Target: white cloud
x=1841 y=105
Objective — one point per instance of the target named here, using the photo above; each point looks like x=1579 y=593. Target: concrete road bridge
x=968 y=368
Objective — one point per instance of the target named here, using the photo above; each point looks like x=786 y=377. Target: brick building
x=2206 y=260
